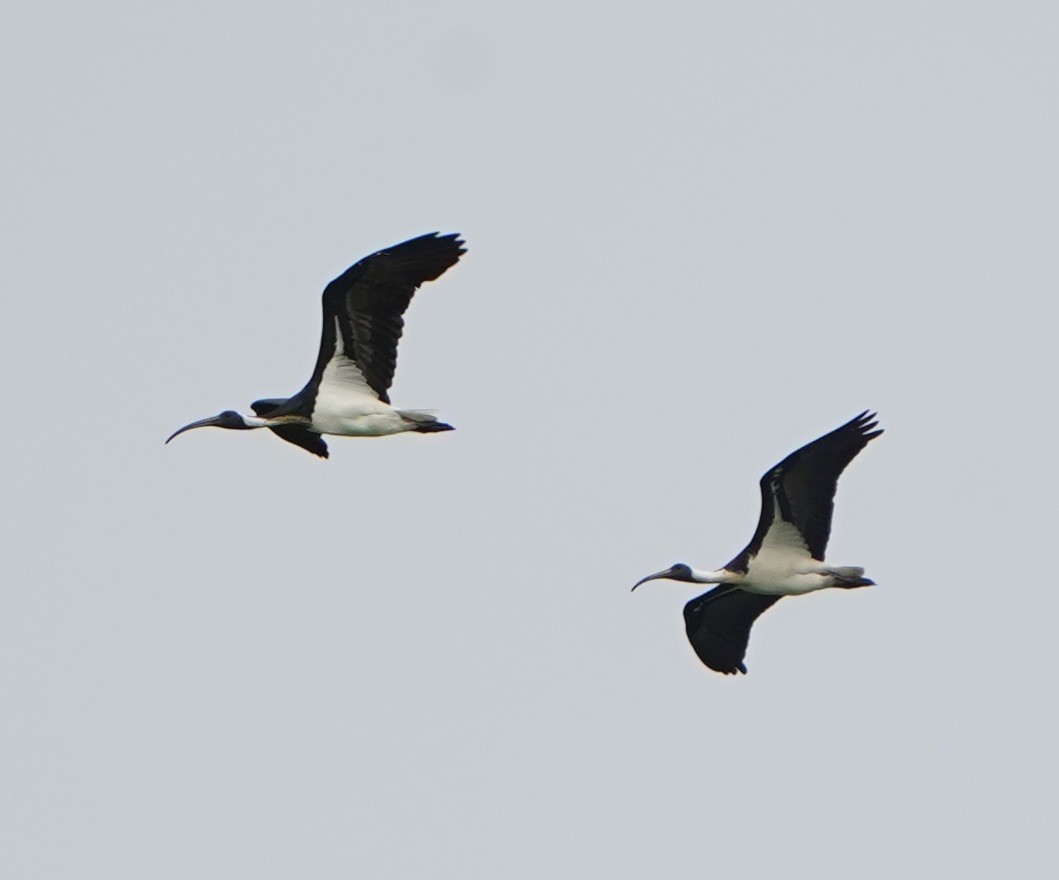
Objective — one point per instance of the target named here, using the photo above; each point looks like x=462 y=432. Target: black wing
x=367 y=302
x=718 y=625
x=803 y=486
x=307 y=440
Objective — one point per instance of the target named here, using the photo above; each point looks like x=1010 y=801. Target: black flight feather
x=803 y=487
x=718 y=625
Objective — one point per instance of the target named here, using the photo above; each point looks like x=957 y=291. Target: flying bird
x=347 y=394
x=786 y=555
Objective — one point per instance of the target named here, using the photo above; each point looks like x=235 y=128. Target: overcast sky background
x=700 y=235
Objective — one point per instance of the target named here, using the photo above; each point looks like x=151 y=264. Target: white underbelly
x=373 y=425
x=347 y=406
x=358 y=418
x=783 y=565
x=783 y=574
x=792 y=585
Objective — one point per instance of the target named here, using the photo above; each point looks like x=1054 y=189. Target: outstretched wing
x=801 y=489
x=307 y=440
x=718 y=625
x=363 y=309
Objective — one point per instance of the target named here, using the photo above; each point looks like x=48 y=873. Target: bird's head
x=677 y=572
x=227 y=419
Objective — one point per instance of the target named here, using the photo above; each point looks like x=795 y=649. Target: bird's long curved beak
x=653 y=577
x=213 y=421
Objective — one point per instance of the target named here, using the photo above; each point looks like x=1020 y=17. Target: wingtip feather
x=865 y=424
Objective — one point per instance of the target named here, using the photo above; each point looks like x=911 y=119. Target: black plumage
x=718 y=625
x=308 y=440
x=803 y=487
x=363 y=318
x=800 y=491
x=369 y=300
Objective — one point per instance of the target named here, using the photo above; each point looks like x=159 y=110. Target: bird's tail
x=849 y=576
x=423 y=422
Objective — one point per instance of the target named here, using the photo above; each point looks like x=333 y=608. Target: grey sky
x=699 y=235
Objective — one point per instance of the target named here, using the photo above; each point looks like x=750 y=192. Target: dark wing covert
x=310 y=441
x=804 y=485
x=369 y=299
x=718 y=625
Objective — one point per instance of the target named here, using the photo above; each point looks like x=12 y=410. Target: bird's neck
x=711 y=577
x=266 y=422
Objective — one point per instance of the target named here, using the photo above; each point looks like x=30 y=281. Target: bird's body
x=786 y=555
x=347 y=394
